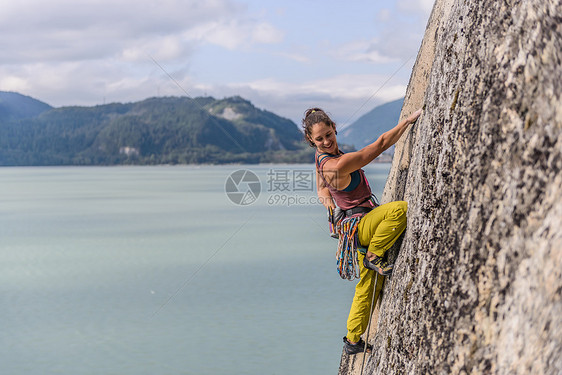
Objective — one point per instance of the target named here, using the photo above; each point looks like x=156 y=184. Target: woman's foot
x=354 y=348
x=378 y=264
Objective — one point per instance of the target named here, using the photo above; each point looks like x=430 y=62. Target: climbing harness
x=369 y=324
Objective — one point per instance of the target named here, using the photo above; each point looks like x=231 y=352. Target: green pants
x=377 y=231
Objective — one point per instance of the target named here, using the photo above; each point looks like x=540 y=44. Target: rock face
x=477 y=284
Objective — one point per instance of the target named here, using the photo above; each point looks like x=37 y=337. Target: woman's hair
x=314 y=116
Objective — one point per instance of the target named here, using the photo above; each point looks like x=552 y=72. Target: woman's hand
x=414 y=116
x=347 y=163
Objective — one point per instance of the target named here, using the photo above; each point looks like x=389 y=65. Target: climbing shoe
x=355 y=348
x=378 y=264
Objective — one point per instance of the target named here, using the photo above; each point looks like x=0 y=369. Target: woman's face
x=324 y=138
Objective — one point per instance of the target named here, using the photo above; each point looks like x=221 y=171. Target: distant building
x=129 y=151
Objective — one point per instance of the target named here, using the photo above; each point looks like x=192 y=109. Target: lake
x=169 y=270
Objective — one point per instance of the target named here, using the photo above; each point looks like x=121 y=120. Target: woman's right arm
x=324 y=193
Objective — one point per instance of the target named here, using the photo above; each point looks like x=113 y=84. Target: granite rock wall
x=477 y=283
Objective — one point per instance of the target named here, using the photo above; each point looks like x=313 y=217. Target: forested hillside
x=167 y=130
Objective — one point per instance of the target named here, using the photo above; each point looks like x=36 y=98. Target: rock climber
x=342 y=186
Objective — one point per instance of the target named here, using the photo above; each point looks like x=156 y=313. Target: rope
x=369 y=324
x=379 y=89
x=346 y=255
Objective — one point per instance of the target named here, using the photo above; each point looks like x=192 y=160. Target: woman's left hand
x=414 y=116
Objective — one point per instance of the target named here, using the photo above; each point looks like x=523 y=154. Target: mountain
x=170 y=130
x=371 y=125
x=14 y=106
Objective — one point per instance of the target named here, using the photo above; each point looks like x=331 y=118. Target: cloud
x=235 y=33
x=92 y=51
x=54 y=49
x=62 y=30
x=266 y=34
x=166 y=48
x=384 y=15
x=346 y=96
x=295 y=56
x=400 y=32
x=364 y=50
x=415 y=6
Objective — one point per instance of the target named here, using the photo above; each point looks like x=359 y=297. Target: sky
x=346 y=57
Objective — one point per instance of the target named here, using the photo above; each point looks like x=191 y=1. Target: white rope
x=369 y=324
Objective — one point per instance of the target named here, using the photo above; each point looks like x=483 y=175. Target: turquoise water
x=153 y=270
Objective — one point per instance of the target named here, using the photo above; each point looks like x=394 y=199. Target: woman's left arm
x=352 y=161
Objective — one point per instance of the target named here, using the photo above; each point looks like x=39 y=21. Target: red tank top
x=357 y=193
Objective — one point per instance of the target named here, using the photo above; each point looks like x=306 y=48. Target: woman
x=341 y=182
